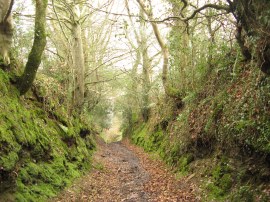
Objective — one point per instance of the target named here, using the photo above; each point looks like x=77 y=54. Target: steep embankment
x=41 y=149
x=221 y=134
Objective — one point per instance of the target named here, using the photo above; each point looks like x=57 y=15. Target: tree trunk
x=146 y=85
x=135 y=80
x=6 y=31
x=25 y=81
x=79 y=67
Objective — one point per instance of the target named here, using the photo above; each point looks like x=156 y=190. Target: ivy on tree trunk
x=25 y=81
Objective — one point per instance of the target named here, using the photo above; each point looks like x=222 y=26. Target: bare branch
x=214 y=6
x=195 y=12
x=183 y=8
x=61 y=27
x=109 y=60
x=61 y=57
x=106 y=80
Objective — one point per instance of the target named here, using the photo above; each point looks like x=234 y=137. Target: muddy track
x=125 y=173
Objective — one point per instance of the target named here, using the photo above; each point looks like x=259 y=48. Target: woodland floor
x=124 y=172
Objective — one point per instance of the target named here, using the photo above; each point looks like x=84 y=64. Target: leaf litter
x=125 y=173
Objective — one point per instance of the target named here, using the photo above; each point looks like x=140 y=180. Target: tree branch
x=106 y=80
x=61 y=27
x=214 y=6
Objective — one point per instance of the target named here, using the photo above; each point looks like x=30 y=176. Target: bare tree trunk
x=146 y=71
x=79 y=65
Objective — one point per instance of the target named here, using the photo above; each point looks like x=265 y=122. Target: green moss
x=43 y=190
x=3 y=84
x=151 y=141
x=156 y=142
x=225 y=182
x=222 y=180
x=244 y=193
x=9 y=161
x=35 y=160
x=214 y=191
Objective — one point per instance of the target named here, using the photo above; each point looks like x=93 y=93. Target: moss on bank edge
x=41 y=151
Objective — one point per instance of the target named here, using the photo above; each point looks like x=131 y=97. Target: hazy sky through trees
x=118 y=42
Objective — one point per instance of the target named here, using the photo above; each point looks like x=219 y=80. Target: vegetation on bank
x=221 y=135
x=42 y=148
x=211 y=117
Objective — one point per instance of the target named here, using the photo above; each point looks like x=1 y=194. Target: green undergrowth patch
x=220 y=181
x=150 y=141
x=156 y=142
x=41 y=151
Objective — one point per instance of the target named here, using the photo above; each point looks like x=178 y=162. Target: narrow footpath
x=124 y=172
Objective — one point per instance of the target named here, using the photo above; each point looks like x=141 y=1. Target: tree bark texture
x=79 y=65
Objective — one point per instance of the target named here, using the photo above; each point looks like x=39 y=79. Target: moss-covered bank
x=222 y=135
x=41 y=151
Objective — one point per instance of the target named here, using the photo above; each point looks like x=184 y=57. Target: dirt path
x=125 y=173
